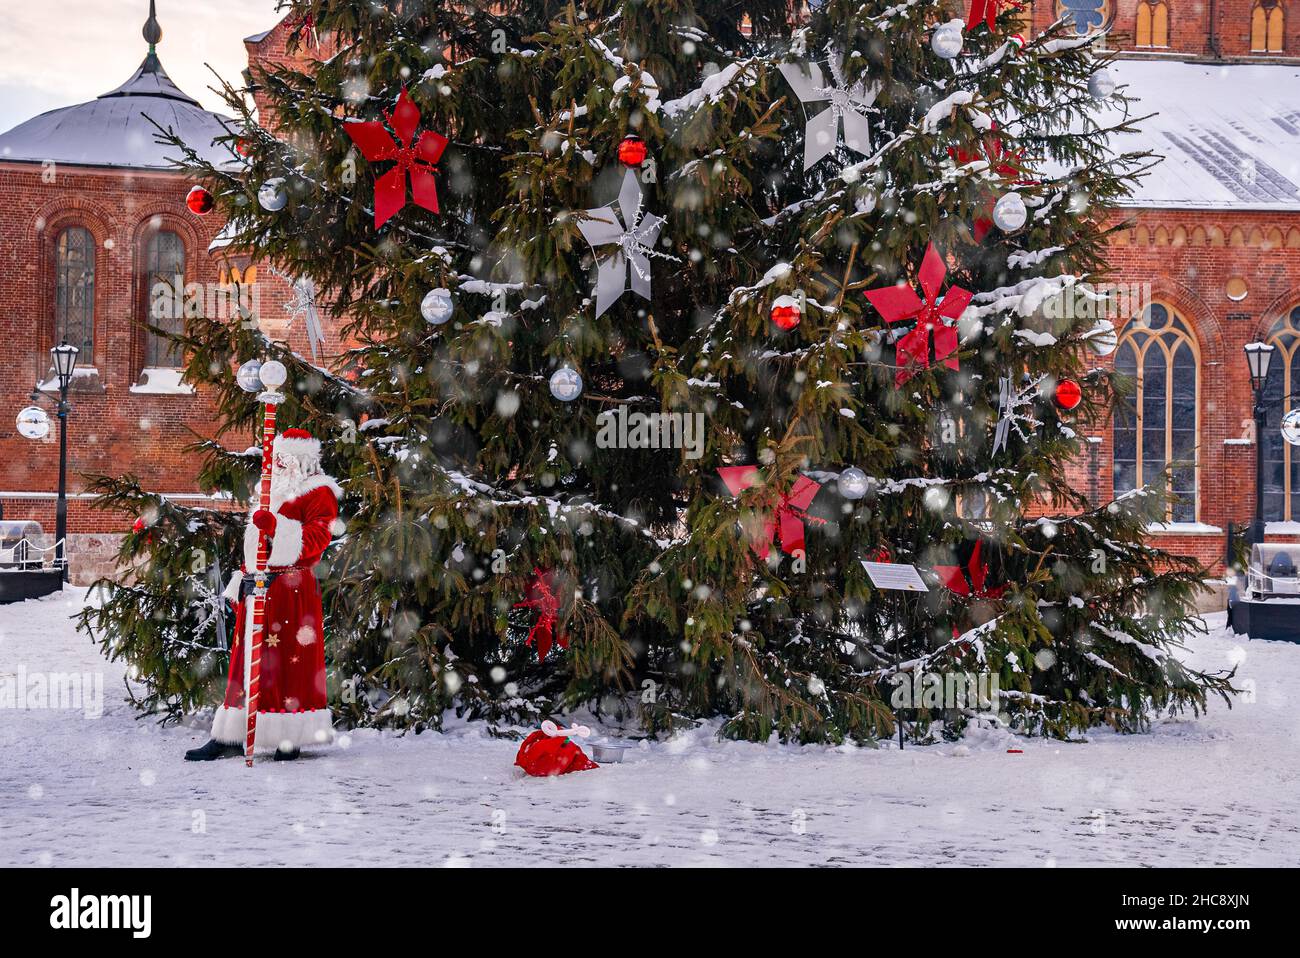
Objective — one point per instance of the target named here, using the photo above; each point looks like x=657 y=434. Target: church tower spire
x=152 y=33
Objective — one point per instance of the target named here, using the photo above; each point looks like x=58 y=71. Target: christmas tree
x=668 y=316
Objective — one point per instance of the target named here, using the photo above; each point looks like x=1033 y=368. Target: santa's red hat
x=298 y=444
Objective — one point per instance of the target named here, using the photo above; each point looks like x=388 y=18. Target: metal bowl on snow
x=608 y=753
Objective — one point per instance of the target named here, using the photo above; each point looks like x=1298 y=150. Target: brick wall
x=272 y=51
x=113 y=427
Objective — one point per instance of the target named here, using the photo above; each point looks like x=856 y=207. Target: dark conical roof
x=150 y=79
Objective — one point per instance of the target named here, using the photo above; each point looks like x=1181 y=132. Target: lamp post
x=1258 y=357
x=65 y=360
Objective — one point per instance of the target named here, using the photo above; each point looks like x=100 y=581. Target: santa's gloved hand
x=265 y=521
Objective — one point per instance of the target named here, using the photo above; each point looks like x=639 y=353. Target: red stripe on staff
x=259 y=599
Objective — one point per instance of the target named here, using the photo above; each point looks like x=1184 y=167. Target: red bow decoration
x=986 y=10
x=540 y=595
x=900 y=303
x=955 y=578
x=419 y=158
x=1005 y=163
x=306 y=23
x=788 y=519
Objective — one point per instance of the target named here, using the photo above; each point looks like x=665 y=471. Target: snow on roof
x=112 y=130
x=1229 y=133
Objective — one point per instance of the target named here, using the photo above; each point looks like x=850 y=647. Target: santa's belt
x=248 y=584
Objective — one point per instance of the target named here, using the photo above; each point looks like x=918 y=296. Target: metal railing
x=26 y=556
x=1261 y=583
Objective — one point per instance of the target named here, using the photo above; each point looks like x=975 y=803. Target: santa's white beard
x=289 y=478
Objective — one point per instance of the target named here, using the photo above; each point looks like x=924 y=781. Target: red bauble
x=1068 y=394
x=632 y=151
x=785 y=312
x=243 y=146
x=142 y=526
x=200 y=201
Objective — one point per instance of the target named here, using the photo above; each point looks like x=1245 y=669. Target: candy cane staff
x=285 y=537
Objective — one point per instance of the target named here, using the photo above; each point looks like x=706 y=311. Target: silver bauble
x=272 y=196
x=437 y=307
x=566 y=384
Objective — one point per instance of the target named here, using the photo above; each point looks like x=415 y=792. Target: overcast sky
x=58 y=52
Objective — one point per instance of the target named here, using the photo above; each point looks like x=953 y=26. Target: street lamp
x=65 y=360
x=1258 y=357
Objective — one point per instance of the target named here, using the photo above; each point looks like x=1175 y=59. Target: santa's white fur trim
x=286 y=488
x=287 y=730
x=300 y=449
x=232 y=587
x=250 y=546
x=316 y=482
x=286 y=544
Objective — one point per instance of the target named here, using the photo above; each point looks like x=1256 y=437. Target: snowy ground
x=111 y=790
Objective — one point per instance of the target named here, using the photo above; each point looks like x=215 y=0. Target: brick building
x=92 y=218
x=1211 y=244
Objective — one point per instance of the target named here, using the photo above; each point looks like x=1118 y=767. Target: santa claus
x=291 y=708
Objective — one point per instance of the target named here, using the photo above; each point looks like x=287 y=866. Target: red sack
x=542 y=754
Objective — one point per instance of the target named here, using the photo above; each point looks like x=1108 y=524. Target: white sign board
x=895 y=575
x=33 y=423
x=1291 y=427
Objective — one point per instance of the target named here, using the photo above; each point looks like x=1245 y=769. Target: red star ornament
x=787 y=520
x=897 y=304
x=417 y=158
x=970 y=580
x=983 y=10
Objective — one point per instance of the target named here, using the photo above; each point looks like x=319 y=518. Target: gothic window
x=1281 y=463
x=163 y=267
x=1089 y=16
x=1156 y=427
x=1266 y=23
x=1152 y=28
x=74 y=290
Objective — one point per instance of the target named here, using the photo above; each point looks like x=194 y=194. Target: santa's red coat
x=291 y=709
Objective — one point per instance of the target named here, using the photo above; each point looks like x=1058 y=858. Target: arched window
x=163 y=265
x=1266 y=23
x=1152 y=27
x=74 y=291
x=1157 y=428
x=1089 y=16
x=1281 y=461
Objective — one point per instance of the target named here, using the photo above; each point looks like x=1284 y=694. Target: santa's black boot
x=213 y=750
x=286 y=754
